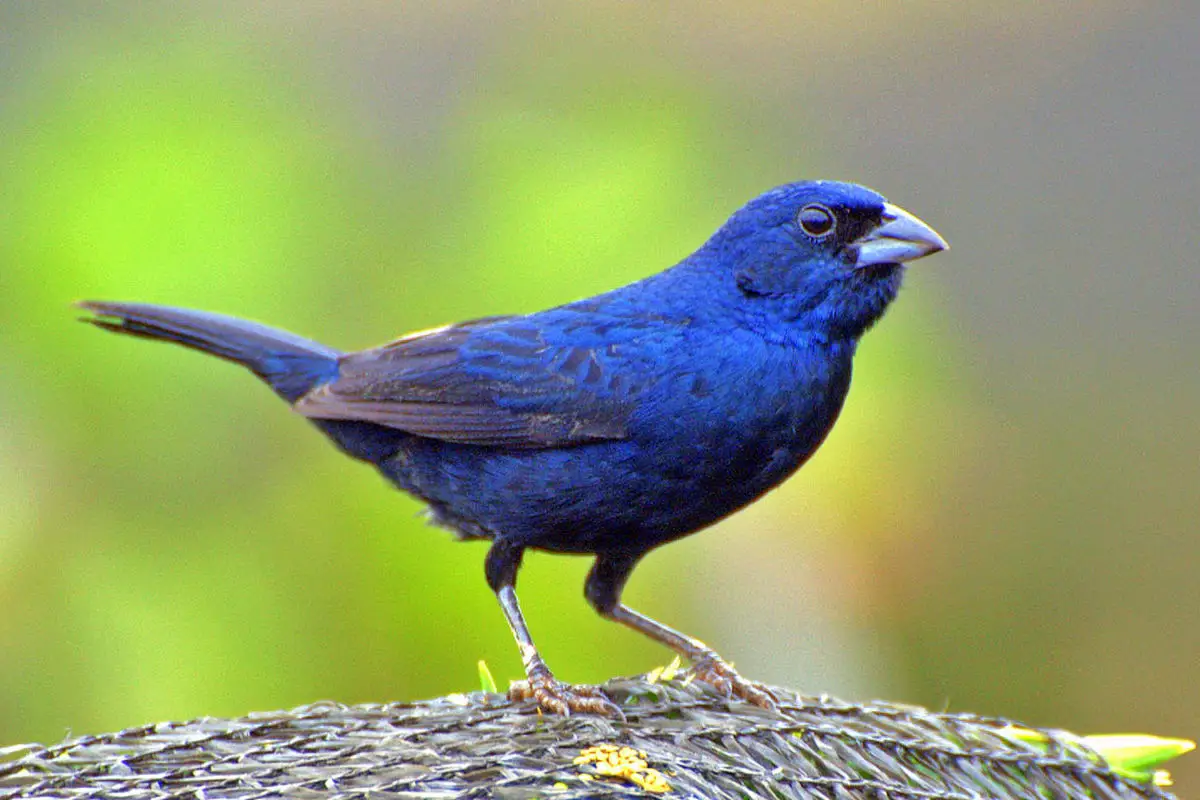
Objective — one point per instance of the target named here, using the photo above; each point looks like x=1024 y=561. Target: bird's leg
x=707 y=664
x=503 y=561
x=603 y=590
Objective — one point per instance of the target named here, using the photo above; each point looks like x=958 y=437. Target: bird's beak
x=897 y=238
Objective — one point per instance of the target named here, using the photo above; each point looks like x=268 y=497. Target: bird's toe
x=556 y=697
x=720 y=675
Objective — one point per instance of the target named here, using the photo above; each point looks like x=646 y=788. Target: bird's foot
x=565 y=699
x=720 y=675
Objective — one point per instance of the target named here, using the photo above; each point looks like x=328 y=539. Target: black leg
x=503 y=562
x=603 y=591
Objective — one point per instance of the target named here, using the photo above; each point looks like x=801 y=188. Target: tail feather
x=291 y=365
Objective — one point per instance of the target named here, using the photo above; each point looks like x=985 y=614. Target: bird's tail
x=291 y=365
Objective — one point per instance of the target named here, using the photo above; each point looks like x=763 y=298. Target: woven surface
x=695 y=743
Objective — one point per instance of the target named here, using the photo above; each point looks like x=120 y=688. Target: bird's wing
x=495 y=381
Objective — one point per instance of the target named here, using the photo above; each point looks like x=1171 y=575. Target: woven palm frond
x=678 y=740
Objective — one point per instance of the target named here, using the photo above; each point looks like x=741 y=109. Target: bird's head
x=823 y=255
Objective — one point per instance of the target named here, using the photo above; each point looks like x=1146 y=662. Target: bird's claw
x=556 y=697
x=720 y=675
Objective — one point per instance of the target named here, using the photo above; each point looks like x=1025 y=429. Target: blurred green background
x=1004 y=521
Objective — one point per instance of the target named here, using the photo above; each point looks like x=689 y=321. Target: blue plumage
x=610 y=425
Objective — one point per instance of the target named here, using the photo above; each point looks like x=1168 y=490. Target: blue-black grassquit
x=611 y=425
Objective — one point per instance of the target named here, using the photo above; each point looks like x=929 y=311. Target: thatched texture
x=481 y=745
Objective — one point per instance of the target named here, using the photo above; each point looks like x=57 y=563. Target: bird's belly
x=621 y=496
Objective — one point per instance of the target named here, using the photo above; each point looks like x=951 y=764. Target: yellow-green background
x=1004 y=521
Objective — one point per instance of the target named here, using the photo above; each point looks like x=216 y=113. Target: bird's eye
x=816 y=220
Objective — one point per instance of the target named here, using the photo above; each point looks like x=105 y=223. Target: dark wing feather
x=494 y=382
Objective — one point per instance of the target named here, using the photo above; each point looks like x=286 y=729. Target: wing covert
x=491 y=382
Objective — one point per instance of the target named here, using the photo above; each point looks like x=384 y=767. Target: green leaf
x=486 y=681
x=1137 y=756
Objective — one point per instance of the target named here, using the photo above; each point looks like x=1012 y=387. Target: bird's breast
x=739 y=427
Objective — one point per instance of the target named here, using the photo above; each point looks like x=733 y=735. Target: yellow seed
x=652 y=781
x=623 y=762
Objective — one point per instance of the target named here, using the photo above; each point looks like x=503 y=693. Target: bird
x=611 y=425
